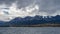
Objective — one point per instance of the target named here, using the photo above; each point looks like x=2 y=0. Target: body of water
x=29 y=30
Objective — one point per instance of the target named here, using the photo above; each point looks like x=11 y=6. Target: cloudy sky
x=21 y=8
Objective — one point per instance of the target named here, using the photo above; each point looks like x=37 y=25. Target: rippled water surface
x=29 y=30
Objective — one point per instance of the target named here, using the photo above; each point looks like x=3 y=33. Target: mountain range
x=32 y=20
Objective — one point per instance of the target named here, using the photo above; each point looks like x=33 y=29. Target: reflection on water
x=29 y=30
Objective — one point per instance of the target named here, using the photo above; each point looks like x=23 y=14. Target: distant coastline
x=38 y=25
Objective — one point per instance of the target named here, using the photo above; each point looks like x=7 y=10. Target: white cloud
x=13 y=11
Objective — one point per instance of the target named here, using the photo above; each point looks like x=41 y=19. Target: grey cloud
x=7 y=2
x=49 y=6
x=24 y=3
x=46 y=7
x=20 y=3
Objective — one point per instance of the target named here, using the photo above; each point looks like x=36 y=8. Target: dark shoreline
x=38 y=25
